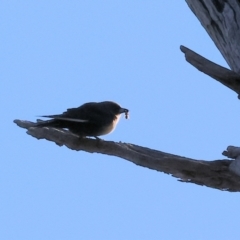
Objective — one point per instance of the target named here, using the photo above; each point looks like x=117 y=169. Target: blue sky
x=61 y=54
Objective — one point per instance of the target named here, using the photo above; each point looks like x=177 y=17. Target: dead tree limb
x=214 y=174
x=221 y=20
x=223 y=75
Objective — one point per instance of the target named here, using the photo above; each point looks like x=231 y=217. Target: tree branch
x=214 y=174
x=221 y=20
x=223 y=75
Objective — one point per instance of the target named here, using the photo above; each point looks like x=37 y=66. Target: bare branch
x=214 y=174
x=223 y=75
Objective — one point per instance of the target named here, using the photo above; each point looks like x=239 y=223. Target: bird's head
x=115 y=108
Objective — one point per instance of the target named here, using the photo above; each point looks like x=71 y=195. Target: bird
x=91 y=119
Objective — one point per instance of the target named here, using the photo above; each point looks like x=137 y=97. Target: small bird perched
x=90 y=119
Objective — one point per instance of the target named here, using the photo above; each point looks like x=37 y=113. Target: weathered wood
x=214 y=174
x=225 y=76
x=221 y=20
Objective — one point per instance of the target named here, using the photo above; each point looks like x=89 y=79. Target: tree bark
x=221 y=20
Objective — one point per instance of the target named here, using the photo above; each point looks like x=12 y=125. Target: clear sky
x=61 y=54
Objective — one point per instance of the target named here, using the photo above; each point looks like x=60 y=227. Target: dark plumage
x=90 y=119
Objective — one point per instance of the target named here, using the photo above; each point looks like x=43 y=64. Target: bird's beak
x=124 y=110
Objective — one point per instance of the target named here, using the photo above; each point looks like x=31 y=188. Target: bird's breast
x=111 y=127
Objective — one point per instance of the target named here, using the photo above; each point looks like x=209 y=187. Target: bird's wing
x=61 y=117
x=90 y=112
